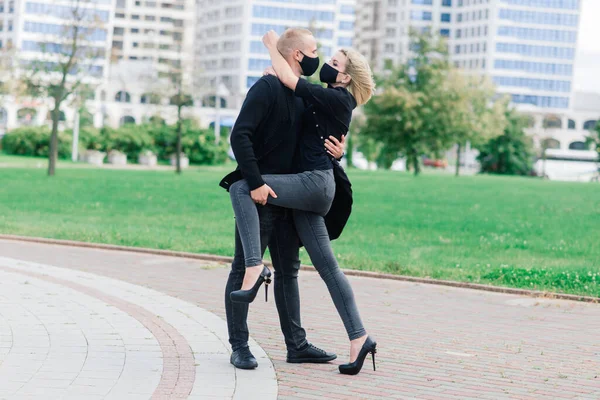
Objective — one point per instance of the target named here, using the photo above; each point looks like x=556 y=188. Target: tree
x=410 y=114
x=65 y=66
x=477 y=115
x=510 y=153
x=594 y=140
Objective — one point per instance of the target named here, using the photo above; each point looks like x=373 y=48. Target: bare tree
x=66 y=64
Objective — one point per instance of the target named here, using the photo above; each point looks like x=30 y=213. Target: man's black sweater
x=265 y=133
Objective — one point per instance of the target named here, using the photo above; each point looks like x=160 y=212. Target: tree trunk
x=53 y=151
x=415 y=162
x=458 y=147
x=178 y=146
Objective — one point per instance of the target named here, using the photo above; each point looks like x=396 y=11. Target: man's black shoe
x=243 y=359
x=311 y=354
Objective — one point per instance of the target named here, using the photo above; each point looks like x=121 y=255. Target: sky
x=587 y=65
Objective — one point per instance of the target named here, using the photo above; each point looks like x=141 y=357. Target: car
x=428 y=162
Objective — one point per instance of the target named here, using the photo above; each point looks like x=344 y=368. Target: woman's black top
x=328 y=113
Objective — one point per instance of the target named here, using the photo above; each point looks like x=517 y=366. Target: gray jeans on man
x=277 y=231
x=310 y=195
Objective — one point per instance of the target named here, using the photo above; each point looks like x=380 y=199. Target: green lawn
x=505 y=231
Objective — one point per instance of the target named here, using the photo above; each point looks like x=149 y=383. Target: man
x=264 y=142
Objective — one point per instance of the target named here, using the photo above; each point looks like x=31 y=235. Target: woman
x=310 y=193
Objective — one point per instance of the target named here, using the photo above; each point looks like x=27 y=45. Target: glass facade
x=534 y=84
x=38 y=27
x=345 y=41
x=291 y=14
x=535 y=17
x=258 y=64
x=541 y=101
x=424 y=2
x=315 y=2
x=346 y=26
x=535 y=67
x=58 y=48
x=421 y=15
x=347 y=10
x=561 y=4
x=64 y=12
x=549 y=35
x=261 y=29
x=565 y=53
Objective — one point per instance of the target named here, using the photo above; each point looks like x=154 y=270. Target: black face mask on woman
x=328 y=74
x=309 y=65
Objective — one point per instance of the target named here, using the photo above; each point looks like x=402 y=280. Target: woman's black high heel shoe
x=248 y=296
x=370 y=346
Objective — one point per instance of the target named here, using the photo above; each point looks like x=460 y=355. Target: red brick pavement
x=434 y=342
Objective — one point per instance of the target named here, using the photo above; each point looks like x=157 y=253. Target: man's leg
x=285 y=248
x=237 y=313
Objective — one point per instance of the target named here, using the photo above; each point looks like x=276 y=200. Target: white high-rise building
x=228 y=46
x=526 y=46
x=151 y=40
x=36 y=30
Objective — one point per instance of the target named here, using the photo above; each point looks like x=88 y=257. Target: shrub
x=35 y=141
x=129 y=139
x=198 y=144
x=510 y=153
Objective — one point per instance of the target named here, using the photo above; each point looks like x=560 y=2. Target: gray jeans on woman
x=310 y=194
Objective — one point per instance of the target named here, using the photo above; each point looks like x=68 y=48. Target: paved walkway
x=82 y=323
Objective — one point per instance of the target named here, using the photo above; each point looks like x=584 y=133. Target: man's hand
x=261 y=195
x=270 y=39
x=270 y=71
x=335 y=147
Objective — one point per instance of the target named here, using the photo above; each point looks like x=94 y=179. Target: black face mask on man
x=309 y=65
x=328 y=74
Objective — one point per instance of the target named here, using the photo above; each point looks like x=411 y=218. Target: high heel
x=353 y=368
x=248 y=296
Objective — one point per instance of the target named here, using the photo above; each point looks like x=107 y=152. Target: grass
x=505 y=231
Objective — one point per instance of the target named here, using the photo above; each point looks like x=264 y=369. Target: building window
x=552 y=122
x=291 y=14
x=118 y=31
x=447 y=3
x=135 y=30
x=123 y=97
x=550 y=143
x=445 y=17
x=421 y=15
x=135 y=16
x=571 y=124
x=579 y=146
x=150 y=18
x=346 y=25
x=589 y=125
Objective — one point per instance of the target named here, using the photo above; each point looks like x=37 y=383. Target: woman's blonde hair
x=362 y=85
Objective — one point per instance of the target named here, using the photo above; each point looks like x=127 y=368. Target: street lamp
x=221 y=91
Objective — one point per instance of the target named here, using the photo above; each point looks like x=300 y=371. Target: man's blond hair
x=292 y=39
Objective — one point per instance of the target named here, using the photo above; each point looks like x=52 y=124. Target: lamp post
x=221 y=91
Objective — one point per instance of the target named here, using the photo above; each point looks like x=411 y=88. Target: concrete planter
x=185 y=162
x=117 y=158
x=94 y=157
x=148 y=159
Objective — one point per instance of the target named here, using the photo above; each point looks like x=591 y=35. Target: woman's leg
x=308 y=191
x=313 y=234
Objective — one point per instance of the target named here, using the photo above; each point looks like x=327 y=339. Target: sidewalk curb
x=349 y=272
